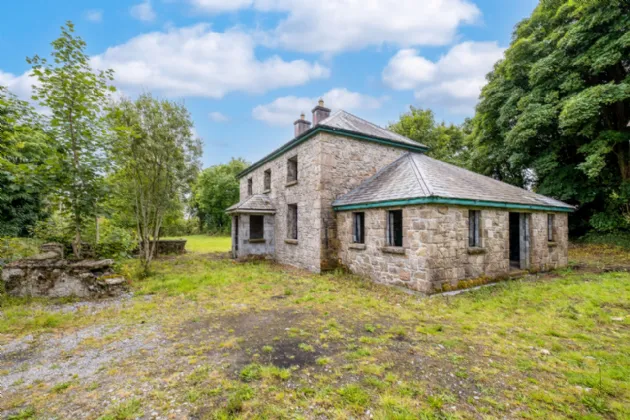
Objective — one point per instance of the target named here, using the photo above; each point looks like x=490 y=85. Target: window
x=250 y=186
x=292 y=169
x=268 y=180
x=474 y=238
x=358 y=231
x=292 y=221
x=550 y=221
x=395 y=228
x=256 y=227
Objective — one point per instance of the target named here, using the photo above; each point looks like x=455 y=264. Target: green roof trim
x=453 y=201
x=324 y=129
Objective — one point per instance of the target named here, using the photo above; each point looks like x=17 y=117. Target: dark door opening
x=236 y=233
x=515 y=240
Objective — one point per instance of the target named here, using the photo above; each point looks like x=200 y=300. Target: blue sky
x=247 y=68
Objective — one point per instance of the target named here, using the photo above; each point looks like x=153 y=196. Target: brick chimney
x=320 y=113
x=301 y=125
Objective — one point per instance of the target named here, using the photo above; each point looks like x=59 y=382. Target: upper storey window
x=267 y=186
x=292 y=169
x=250 y=186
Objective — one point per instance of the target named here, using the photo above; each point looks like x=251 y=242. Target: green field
x=205 y=243
x=208 y=337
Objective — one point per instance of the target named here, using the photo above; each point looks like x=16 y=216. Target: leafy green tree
x=155 y=159
x=75 y=95
x=445 y=142
x=555 y=112
x=24 y=154
x=217 y=189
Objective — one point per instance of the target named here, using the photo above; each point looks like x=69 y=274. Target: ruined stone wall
x=305 y=192
x=247 y=246
x=346 y=163
x=549 y=255
x=435 y=250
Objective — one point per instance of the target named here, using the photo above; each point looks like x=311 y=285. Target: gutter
x=454 y=201
x=326 y=129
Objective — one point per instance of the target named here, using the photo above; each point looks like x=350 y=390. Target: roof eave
x=453 y=201
x=327 y=129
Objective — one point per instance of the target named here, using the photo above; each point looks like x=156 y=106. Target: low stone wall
x=170 y=246
x=48 y=275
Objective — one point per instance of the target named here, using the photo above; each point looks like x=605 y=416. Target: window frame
x=252 y=233
x=250 y=186
x=358 y=228
x=474 y=228
x=292 y=163
x=393 y=239
x=267 y=180
x=551 y=219
x=292 y=225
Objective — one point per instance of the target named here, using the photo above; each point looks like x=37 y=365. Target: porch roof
x=257 y=203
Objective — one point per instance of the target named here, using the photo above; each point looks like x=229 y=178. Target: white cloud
x=287 y=109
x=195 y=61
x=217 y=117
x=454 y=81
x=143 y=11
x=95 y=15
x=20 y=86
x=336 y=25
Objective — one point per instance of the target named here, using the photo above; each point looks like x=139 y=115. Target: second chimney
x=320 y=113
x=301 y=125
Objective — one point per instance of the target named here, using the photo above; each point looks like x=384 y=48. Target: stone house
x=346 y=192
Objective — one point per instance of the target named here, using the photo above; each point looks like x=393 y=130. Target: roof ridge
x=419 y=174
x=331 y=116
x=374 y=125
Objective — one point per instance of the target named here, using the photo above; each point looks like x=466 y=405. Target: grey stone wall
x=435 y=252
x=259 y=247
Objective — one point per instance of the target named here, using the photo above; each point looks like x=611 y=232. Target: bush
x=56 y=228
x=12 y=249
x=618 y=238
x=114 y=242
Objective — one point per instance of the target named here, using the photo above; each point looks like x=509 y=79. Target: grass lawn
x=207 y=337
x=206 y=244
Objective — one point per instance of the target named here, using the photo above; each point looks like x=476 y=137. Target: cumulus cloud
x=454 y=81
x=332 y=26
x=20 y=86
x=95 y=16
x=217 y=117
x=143 y=11
x=195 y=61
x=286 y=109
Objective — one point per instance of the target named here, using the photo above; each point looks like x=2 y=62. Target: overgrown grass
x=619 y=239
x=235 y=344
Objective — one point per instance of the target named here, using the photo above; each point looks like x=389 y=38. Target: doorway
x=519 y=241
x=236 y=236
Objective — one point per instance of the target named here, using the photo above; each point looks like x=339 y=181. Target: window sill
x=257 y=241
x=356 y=246
x=393 y=250
x=267 y=191
x=552 y=244
x=290 y=183
x=476 y=250
x=291 y=241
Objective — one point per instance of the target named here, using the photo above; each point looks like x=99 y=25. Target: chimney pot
x=301 y=125
x=320 y=112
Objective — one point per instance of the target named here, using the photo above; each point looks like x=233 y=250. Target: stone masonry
x=435 y=248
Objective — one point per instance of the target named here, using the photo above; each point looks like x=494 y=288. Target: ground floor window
x=474 y=237
x=395 y=228
x=256 y=227
x=550 y=221
x=292 y=221
x=358 y=232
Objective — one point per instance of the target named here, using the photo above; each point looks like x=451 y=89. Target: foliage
x=217 y=189
x=114 y=241
x=56 y=228
x=155 y=160
x=555 y=112
x=74 y=94
x=23 y=157
x=445 y=142
x=620 y=239
x=12 y=249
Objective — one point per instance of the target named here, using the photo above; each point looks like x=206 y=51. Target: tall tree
x=24 y=155
x=445 y=142
x=155 y=159
x=76 y=95
x=556 y=110
x=217 y=189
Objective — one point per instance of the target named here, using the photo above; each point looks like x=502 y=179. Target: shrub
x=114 y=242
